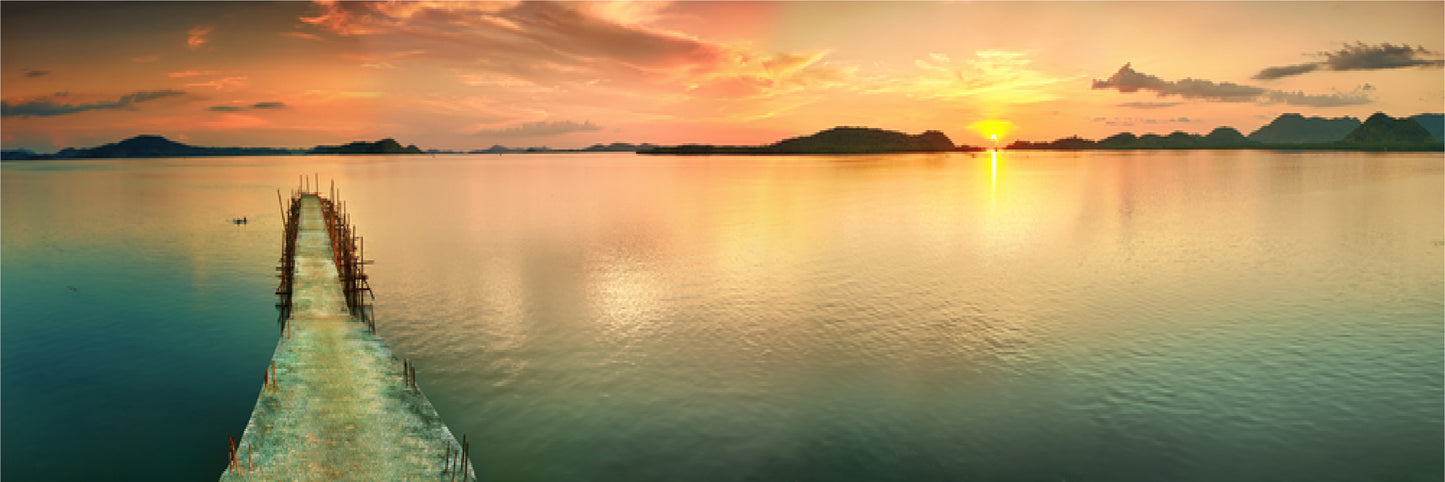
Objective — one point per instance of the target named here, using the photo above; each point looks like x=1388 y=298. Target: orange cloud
x=236 y=121
x=224 y=83
x=197 y=36
x=304 y=36
x=191 y=73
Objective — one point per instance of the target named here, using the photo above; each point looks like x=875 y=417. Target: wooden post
x=232 y=441
x=466 y=457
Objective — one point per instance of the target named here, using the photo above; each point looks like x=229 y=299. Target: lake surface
x=1117 y=316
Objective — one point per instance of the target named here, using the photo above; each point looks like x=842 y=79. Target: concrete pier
x=338 y=404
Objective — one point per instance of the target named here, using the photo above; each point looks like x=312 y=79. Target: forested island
x=1379 y=132
x=157 y=146
x=838 y=140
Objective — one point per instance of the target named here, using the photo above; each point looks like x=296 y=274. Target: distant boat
x=240 y=220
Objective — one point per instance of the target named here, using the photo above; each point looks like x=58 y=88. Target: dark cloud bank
x=1128 y=80
x=50 y=107
x=256 y=106
x=1359 y=57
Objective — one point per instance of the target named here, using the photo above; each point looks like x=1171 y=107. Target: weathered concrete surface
x=340 y=409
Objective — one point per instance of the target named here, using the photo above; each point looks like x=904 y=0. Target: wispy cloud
x=1128 y=80
x=35 y=73
x=54 y=105
x=190 y=73
x=1149 y=105
x=145 y=59
x=196 y=37
x=540 y=129
x=1355 y=97
x=1285 y=71
x=603 y=49
x=223 y=83
x=1131 y=121
x=256 y=106
x=1360 y=56
x=993 y=76
x=305 y=36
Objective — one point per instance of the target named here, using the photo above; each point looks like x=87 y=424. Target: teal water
x=1232 y=315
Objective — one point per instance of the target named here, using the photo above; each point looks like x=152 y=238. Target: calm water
x=1042 y=316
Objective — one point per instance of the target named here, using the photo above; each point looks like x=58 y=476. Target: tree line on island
x=157 y=146
x=1422 y=132
x=1289 y=131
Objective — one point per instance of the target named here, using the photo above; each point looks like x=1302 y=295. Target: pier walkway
x=336 y=404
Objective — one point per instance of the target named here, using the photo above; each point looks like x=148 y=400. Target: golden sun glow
x=993 y=129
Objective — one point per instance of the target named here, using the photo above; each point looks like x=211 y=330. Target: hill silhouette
x=1297 y=129
x=1435 y=123
x=384 y=146
x=1383 y=130
x=838 y=140
x=1224 y=136
x=157 y=146
x=1384 y=133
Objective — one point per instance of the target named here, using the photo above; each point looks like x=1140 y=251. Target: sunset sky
x=564 y=75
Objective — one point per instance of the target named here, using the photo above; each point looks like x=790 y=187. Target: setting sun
x=992 y=129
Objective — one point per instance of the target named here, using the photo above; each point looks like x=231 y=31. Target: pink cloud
x=519 y=49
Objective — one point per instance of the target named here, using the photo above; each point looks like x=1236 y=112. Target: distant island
x=500 y=149
x=157 y=146
x=1379 y=132
x=838 y=140
x=384 y=146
